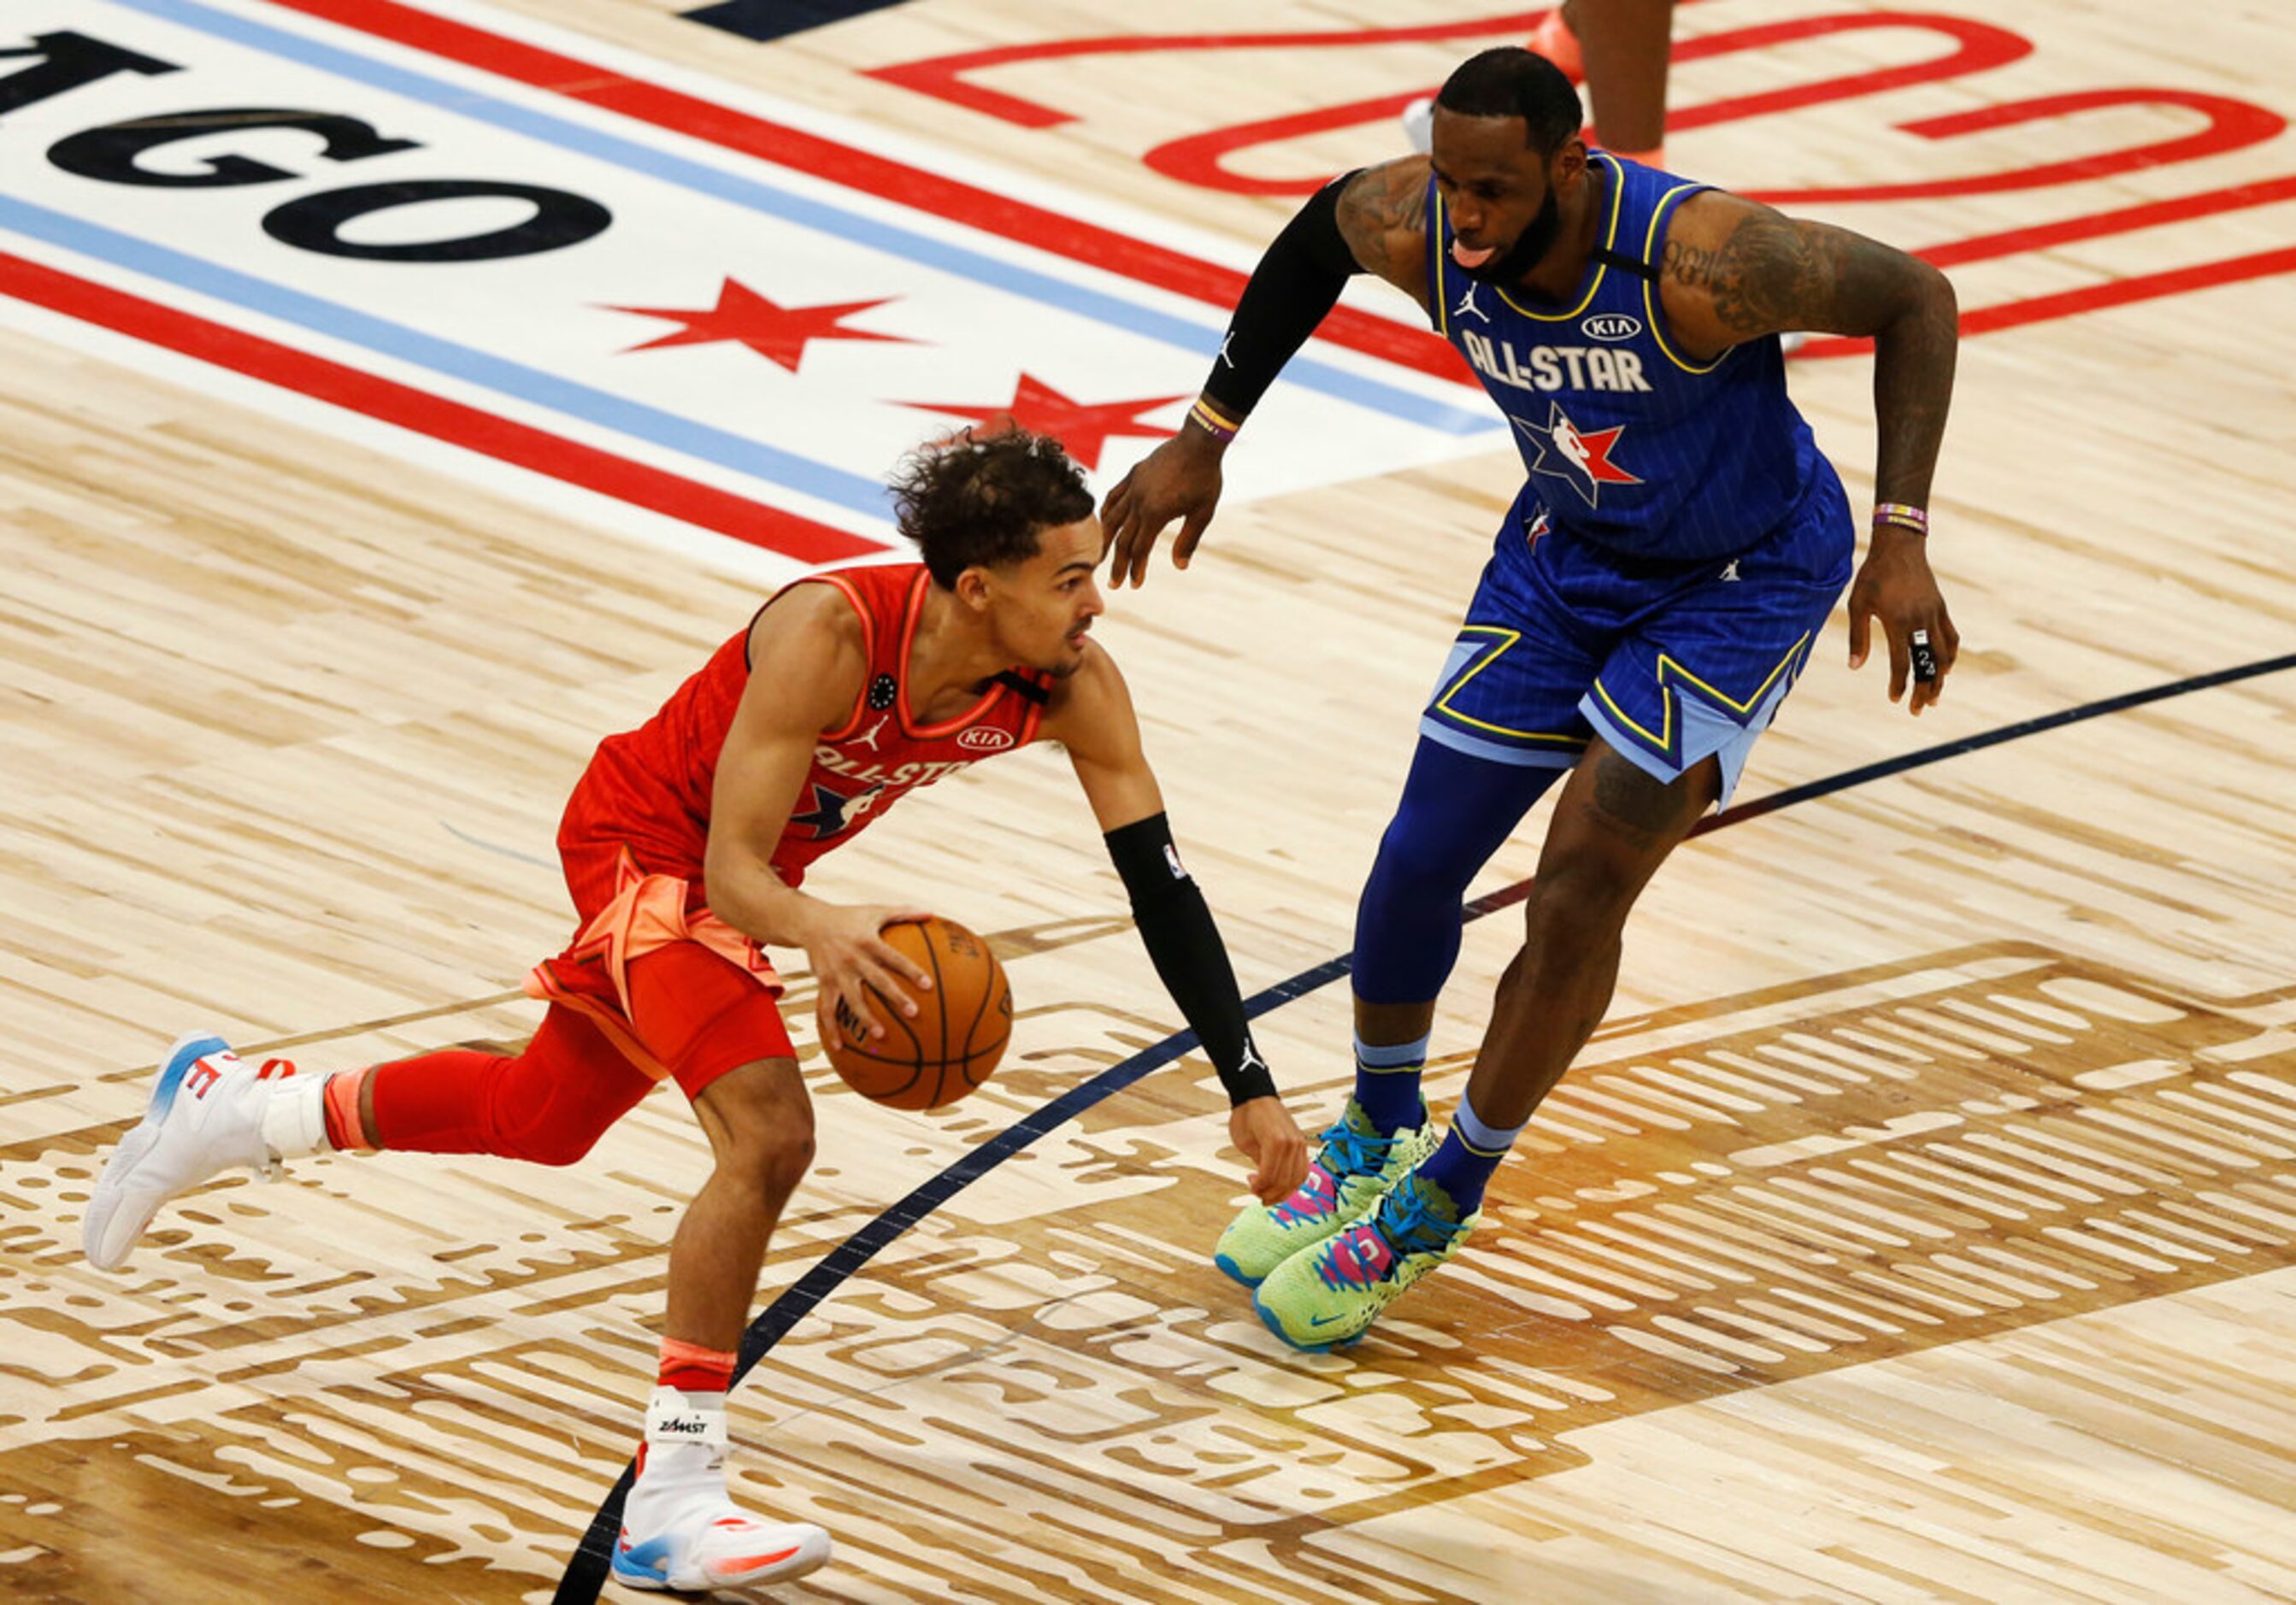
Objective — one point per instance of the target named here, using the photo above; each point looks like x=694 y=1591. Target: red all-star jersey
x=650 y=788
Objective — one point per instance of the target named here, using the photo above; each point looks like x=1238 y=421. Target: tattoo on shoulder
x=1773 y=274
x=1767 y=274
x=1381 y=204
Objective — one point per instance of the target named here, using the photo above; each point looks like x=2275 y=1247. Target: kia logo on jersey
x=983 y=738
x=1612 y=325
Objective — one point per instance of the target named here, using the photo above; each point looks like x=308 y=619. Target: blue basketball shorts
x=1670 y=662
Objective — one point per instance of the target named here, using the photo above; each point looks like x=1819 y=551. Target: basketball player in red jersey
x=685 y=846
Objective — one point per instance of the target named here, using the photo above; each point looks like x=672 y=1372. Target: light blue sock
x=1471 y=1151
x=1387 y=1082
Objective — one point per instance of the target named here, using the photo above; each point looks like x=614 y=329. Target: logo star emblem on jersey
x=1580 y=459
x=831 y=810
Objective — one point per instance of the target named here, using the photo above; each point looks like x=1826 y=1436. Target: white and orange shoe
x=679 y=1529
x=718 y=1547
x=209 y=1112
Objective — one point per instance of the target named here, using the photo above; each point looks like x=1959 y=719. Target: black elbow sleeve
x=1294 y=289
x=1183 y=944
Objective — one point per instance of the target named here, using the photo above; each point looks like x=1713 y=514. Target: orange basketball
x=954 y=1040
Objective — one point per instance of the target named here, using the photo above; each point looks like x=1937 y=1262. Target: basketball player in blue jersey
x=1657 y=586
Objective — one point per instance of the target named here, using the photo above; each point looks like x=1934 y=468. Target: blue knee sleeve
x=1456 y=811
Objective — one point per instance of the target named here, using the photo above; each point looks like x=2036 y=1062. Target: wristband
x=1903 y=515
x=1213 y=422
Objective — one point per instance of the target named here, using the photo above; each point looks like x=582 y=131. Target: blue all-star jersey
x=1627 y=441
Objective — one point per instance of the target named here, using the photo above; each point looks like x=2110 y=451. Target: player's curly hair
x=984 y=496
x=1510 y=81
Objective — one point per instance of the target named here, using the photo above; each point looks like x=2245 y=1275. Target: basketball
x=952 y=1043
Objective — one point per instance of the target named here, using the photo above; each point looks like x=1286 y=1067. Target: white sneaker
x=206 y=1116
x=679 y=1531
x=713 y=1545
x=1419 y=124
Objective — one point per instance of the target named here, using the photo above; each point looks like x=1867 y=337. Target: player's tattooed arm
x=1734 y=271
x=1382 y=215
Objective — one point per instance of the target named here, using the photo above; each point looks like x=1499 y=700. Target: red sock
x=691 y=1369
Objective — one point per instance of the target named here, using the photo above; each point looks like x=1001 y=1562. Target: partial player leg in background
x=1627 y=46
x=1621 y=49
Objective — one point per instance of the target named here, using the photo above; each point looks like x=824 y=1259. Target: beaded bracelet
x=1902 y=515
x=1212 y=422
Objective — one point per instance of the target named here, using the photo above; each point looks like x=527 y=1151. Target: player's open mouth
x=1472 y=258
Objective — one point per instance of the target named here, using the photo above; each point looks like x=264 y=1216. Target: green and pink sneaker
x=1355 y=1165
x=1327 y=1296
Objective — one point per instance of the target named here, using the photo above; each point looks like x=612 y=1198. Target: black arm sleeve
x=1294 y=289
x=1190 y=959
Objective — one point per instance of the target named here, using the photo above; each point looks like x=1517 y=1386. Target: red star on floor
x=767 y=327
x=1082 y=427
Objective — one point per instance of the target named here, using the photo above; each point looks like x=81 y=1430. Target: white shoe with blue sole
x=713 y=1545
x=205 y=1117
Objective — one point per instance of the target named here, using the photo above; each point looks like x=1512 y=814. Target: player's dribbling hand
x=850 y=956
x=1895 y=586
x=1272 y=1140
x=1179 y=480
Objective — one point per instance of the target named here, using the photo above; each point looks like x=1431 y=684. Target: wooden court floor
x=1920 y=1225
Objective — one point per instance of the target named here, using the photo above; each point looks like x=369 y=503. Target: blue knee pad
x=1456 y=811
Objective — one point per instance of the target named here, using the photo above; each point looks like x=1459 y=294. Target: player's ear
x=973 y=589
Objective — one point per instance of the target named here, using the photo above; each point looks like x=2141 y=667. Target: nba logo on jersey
x=1582 y=458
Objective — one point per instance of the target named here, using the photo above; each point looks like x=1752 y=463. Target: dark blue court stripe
x=1991 y=738
x=585 y=1573
x=765 y=19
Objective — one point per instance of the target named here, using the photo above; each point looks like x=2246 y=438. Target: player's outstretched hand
x=1895 y=586
x=850 y=956
x=1179 y=480
x=1272 y=1140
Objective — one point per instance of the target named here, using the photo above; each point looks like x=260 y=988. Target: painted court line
x=1405 y=345
x=943 y=255
x=504 y=440
x=445 y=357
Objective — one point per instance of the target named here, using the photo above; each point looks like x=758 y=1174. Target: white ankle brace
x=295 y=1118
